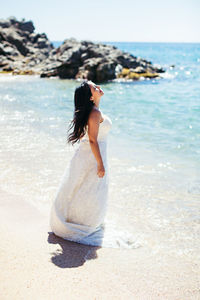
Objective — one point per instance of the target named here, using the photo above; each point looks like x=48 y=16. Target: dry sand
x=35 y=264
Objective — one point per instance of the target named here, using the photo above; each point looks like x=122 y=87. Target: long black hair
x=82 y=108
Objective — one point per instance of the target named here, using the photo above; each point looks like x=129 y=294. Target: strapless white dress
x=78 y=211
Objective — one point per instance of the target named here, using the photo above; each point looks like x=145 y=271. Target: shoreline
x=37 y=264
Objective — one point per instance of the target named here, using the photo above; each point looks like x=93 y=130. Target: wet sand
x=36 y=264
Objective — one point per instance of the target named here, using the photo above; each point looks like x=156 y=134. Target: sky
x=110 y=20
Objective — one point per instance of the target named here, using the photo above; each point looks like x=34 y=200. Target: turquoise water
x=161 y=115
x=153 y=147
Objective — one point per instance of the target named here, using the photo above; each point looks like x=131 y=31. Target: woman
x=78 y=211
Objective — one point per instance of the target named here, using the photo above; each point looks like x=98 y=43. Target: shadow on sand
x=72 y=254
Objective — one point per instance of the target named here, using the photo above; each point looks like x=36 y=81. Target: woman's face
x=96 y=90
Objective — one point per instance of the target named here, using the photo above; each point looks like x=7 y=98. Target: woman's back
x=104 y=128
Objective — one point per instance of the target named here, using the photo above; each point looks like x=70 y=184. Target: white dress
x=78 y=211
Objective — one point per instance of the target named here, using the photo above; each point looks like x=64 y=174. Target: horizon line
x=126 y=41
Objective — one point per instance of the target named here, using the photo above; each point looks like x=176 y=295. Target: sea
x=153 y=146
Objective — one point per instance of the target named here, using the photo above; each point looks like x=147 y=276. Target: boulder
x=23 y=51
x=13 y=37
x=96 y=62
x=19 y=41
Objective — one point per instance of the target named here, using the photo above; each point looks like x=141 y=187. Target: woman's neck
x=97 y=107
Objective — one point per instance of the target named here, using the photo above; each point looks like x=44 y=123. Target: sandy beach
x=35 y=264
x=143 y=70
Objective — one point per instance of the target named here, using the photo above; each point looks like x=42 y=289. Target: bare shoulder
x=95 y=115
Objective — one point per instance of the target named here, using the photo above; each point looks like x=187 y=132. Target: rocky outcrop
x=97 y=62
x=20 y=48
x=22 y=51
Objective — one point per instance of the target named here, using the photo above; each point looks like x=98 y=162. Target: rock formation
x=24 y=52
x=21 y=50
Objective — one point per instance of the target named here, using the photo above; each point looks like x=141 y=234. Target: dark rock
x=105 y=71
x=172 y=67
x=15 y=39
x=20 y=44
x=26 y=52
x=5 y=23
x=27 y=26
x=7 y=68
x=13 y=20
x=97 y=62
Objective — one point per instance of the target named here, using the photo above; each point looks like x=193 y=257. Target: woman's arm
x=93 y=130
